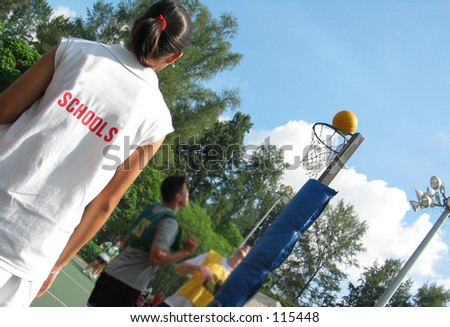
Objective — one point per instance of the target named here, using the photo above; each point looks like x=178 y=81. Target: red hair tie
x=164 y=23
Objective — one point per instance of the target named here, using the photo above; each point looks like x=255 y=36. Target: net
x=326 y=143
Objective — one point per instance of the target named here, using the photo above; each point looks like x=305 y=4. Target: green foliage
x=432 y=295
x=374 y=281
x=15 y=58
x=195 y=221
x=231 y=233
x=9 y=5
x=102 y=24
x=232 y=182
x=90 y=251
x=32 y=21
x=313 y=272
x=145 y=190
x=23 y=22
x=50 y=32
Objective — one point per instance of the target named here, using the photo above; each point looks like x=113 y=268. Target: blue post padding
x=275 y=245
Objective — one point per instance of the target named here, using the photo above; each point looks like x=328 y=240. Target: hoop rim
x=340 y=131
x=337 y=130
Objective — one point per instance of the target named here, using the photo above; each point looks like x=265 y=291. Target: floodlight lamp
x=414 y=205
x=447 y=202
x=288 y=190
x=425 y=201
x=282 y=188
x=435 y=182
x=430 y=192
x=419 y=194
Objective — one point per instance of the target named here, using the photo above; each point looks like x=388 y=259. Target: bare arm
x=161 y=257
x=102 y=206
x=188 y=269
x=27 y=88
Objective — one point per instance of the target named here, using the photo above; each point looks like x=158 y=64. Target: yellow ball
x=346 y=121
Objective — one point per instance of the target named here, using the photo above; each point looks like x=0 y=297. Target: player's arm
x=27 y=89
x=186 y=268
x=102 y=206
x=161 y=257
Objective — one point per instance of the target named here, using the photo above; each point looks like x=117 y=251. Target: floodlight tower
x=433 y=197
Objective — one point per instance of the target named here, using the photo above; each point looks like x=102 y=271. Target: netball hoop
x=329 y=150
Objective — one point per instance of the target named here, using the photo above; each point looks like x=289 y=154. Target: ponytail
x=164 y=29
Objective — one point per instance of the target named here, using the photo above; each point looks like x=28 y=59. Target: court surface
x=71 y=289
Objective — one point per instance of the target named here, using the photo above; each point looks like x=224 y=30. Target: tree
x=33 y=21
x=214 y=154
x=145 y=190
x=196 y=107
x=259 y=178
x=374 y=281
x=9 y=5
x=233 y=183
x=23 y=22
x=312 y=274
x=15 y=58
x=49 y=33
x=432 y=296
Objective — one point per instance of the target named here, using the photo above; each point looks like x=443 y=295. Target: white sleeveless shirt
x=100 y=105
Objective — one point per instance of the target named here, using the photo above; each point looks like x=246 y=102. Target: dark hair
x=171 y=186
x=149 y=39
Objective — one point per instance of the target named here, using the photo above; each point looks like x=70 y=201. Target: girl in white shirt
x=76 y=130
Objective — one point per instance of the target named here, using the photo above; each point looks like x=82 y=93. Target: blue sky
x=387 y=61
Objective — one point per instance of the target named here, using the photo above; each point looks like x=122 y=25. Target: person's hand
x=47 y=284
x=190 y=244
x=205 y=272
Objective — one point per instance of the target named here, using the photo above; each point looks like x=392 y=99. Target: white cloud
x=64 y=11
x=445 y=282
x=292 y=138
x=225 y=118
x=389 y=236
x=383 y=207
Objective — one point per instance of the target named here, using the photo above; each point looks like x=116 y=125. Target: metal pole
x=396 y=283
x=260 y=221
